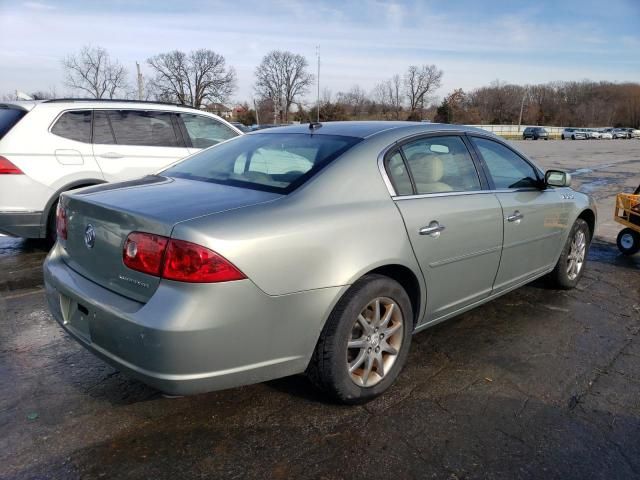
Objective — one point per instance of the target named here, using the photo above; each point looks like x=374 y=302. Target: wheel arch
x=85 y=182
x=589 y=216
x=409 y=281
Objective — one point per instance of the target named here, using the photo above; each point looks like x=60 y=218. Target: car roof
x=364 y=129
x=65 y=103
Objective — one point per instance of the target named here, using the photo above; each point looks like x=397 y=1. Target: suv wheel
x=365 y=341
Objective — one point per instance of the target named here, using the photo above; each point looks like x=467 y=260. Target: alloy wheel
x=577 y=252
x=376 y=338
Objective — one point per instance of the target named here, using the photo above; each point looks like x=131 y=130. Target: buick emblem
x=89 y=236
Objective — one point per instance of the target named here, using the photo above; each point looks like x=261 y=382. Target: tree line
x=282 y=80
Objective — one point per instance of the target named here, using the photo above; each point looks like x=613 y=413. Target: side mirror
x=557 y=178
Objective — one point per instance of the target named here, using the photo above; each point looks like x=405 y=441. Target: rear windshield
x=276 y=162
x=8 y=118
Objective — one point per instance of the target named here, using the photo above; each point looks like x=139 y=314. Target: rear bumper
x=190 y=338
x=21 y=224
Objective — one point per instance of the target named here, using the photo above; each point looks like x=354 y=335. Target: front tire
x=570 y=266
x=628 y=241
x=365 y=342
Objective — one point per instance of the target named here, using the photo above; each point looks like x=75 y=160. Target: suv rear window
x=8 y=118
x=275 y=162
x=74 y=126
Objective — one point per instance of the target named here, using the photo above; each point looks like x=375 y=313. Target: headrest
x=426 y=168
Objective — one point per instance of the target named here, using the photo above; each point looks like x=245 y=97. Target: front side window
x=204 y=131
x=441 y=164
x=74 y=126
x=507 y=169
x=143 y=128
x=277 y=162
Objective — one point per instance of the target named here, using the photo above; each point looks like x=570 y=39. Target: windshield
x=275 y=162
x=8 y=118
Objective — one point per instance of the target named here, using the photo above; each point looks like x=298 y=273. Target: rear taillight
x=8 y=168
x=188 y=262
x=61 y=222
x=176 y=260
x=143 y=252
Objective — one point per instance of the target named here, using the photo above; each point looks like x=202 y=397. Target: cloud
x=362 y=41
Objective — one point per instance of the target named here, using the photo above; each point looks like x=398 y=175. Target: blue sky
x=362 y=42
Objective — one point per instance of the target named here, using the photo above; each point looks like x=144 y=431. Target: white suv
x=52 y=146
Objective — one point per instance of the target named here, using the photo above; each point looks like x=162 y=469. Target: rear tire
x=365 y=342
x=628 y=241
x=570 y=267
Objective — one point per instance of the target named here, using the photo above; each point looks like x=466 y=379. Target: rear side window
x=150 y=129
x=204 y=131
x=441 y=164
x=74 y=126
x=399 y=174
x=277 y=162
x=507 y=169
x=8 y=118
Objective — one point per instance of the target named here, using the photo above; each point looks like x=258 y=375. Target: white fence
x=513 y=131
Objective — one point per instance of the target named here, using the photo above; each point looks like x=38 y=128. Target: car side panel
x=530 y=244
x=459 y=264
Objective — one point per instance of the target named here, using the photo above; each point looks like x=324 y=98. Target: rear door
x=534 y=219
x=454 y=225
x=133 y=143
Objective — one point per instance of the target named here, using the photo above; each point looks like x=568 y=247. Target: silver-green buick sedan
x=314 y=248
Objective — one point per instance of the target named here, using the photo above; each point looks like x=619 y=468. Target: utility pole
x=140 y=93
x=318 y=97
x=524 y=95
x=255 y=106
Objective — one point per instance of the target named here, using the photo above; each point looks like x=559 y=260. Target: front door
x=454 y=226
x=534 y=218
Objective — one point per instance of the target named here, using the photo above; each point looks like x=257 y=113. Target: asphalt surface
x=537 y=384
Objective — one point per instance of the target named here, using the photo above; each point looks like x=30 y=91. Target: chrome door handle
x=515 y=217
x=111 y=155
x=433 y=230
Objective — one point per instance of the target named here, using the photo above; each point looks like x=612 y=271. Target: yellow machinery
x=627 y=212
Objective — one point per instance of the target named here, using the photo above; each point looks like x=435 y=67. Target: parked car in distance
x=593 y=133
x=605 y=134
x=635 y=133
x=316 y=249
x=535 y=133
x=48 y=147
x=620 y=133
x=574 y=134
x=241 y=126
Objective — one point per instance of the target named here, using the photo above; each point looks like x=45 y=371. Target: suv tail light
x=8 y=168
x=177 y=260
x=61 y=222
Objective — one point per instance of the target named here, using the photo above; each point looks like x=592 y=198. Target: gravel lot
x=537 y=384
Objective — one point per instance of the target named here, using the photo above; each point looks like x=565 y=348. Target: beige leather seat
x=427 y=172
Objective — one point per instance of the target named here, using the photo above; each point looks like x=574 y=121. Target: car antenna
x=314 y=125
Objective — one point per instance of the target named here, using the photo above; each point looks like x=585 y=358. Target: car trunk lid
x=154 y=205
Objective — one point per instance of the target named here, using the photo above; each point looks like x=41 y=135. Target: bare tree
x=355 y=100
x=394 y=87
x=282 y=76
x=192 y=78
x=420 y=82
x=94 y=72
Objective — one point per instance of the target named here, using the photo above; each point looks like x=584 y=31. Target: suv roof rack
x=116 y=100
